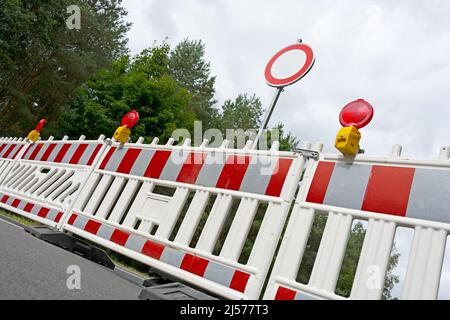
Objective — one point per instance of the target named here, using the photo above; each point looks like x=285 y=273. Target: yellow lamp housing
x=347 y=141
x=33 y=136
x=122 y=134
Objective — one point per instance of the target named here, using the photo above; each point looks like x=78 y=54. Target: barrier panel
x=191 y=212
x=46 y=176
x=9 y=150
x=386 y=192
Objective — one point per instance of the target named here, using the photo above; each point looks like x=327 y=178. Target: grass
x=17 y=218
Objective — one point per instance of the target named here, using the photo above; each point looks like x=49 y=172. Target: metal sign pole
x=267 y=116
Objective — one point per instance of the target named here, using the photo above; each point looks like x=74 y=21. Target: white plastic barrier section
x=387 y=193
x=46 y=176
x=9 y=150
x=121 y=208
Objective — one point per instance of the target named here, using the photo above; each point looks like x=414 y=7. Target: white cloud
x=393 y=54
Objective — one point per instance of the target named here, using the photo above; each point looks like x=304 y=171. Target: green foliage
x=287 y=140
x=391 y=279
x=42 y=62
x=242 y=113
x=141 y=83
x=311 y=249
x=189 y=68
x=351 y=258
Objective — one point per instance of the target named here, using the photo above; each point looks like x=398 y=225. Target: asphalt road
x=33 y=269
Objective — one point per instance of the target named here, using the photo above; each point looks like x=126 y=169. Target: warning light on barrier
x=123 y=132
x=355 y=115
x=36 y=133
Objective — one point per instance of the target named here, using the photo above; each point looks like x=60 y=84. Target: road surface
x=33 y=269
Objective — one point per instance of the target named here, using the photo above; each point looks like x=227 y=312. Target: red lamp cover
x=40 y=125
x=357 y=113
x=130 y=119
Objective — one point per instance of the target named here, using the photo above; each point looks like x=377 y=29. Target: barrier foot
x=173 y=291
x=72 y=244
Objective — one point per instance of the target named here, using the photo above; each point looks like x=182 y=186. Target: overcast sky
x=394 y=54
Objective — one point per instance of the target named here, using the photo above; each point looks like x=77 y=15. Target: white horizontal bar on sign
x=401 y=221
x=284 y=154
x=247 y=268
x=308 y=289
x=391 y=161
x=238 y=194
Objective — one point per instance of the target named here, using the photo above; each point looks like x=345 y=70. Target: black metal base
x=173 y=291
x=71 y=244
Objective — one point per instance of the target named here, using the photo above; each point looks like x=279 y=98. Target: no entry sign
x=289 y=65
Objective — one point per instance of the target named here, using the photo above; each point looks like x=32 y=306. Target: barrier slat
x=387 y=192
x=46 y=176
x=123 y=207
x=424 y=271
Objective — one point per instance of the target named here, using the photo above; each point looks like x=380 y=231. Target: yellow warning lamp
x=355 y=115
x=123 y=132
x=36 y=133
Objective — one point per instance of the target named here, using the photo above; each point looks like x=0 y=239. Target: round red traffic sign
x=130 y=119
x=289 y=65
x=357 y=113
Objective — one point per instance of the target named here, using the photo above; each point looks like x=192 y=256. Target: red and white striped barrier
x=386 y=192
x=121 y=208
x=46 y=176
x=9 y=150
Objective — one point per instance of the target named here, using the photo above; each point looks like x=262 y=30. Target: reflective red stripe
x=47 y=152
x=278 y=177
x=43 y=212
x=285 y=294
x=233 y=172
x=152 y=249
x=157 y=164
x=28 y=207
x=17 y=152
x=26 y=152
x=94 y=154
x=11 y=148
x=191 y=167
x=128 y=160
x=239 y=281
x=388 y=190
x=193 y=264
x=2 y=147
x=15 y=203
x=62 y=152
x=35 y=151
x=5 y=199
x=120 y=237
x=92 y=226
x=319 y=184
x=58 y=217
x=107 y=157
x=78 y=153
x=72 y=219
